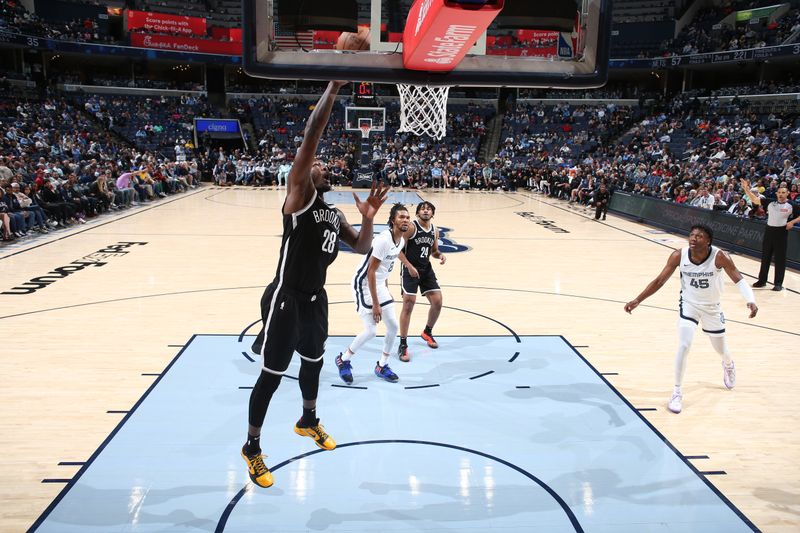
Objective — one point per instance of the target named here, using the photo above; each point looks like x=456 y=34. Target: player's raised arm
x=299 y=183
x=673 y=262
x=361 y=241
x=746 y=188
x=724 y=261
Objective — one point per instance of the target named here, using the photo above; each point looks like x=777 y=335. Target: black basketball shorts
x=426 y=282
x=291 y=321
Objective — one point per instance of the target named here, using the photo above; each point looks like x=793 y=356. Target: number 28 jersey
x=701 y=284
x=309 y=245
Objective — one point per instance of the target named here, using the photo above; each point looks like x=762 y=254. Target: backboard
x=364 y=119
x=529 y=44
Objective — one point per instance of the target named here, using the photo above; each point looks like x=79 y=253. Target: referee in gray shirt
x=776 y=234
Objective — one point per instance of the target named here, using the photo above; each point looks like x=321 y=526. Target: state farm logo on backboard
x=423 y=11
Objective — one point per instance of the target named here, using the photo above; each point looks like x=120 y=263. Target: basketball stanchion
x=436 y=37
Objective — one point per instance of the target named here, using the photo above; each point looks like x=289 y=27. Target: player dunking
x=422 y=240
x=701 y=267
x=373 y=300
x=294 y=307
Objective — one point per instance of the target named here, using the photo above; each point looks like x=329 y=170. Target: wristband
x=746 y=291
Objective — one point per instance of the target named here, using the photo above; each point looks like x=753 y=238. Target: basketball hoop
x=365 y=128
x=423 y=109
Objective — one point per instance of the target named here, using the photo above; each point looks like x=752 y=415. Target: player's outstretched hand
x=442 y=259
x=630 y=306
x=753 y=309
x=376 y=313
x=377 y=195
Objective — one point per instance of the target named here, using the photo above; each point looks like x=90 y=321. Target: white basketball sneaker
x=675 y=403
x=729 y=375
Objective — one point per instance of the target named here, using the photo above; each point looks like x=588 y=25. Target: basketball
x=354 y=41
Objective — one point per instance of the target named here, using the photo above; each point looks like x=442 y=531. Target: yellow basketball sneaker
x=257 y=470
x=316 y=432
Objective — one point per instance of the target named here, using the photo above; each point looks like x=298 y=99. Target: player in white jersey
x=701 y=267
x=373 y=300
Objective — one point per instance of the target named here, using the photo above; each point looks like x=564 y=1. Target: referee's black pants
x=774 y=245
x=599 y=209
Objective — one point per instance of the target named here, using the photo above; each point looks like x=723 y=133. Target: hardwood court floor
x=79 y=352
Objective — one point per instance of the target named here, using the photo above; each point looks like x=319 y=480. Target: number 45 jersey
x=309 y=245
x=701 y=284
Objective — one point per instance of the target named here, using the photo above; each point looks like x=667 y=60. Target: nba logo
x=565 y=46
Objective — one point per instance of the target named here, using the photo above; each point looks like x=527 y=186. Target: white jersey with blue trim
x=384 y=249
x=701 y=284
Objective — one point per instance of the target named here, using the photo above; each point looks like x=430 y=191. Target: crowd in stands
x=706 y=33
x=697 y=39
x=279 y=127
x=626 y=11
x=689 y=151
x=110 y=80
x=717 y=148
x=160 y=124
x=63 y=161
x=58 y=167
x=771 y=87
x=612 y=90
x=563 y=129
x=15 y=17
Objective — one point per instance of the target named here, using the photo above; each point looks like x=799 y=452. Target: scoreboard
x=364 y=94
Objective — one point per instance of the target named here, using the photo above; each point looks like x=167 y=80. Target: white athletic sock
x=368 y=334
x=390 y=320
x=685 y=336
x=721 y=346
x=347 y=355
x=384 y=359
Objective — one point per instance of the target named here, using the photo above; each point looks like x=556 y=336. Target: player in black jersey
x=422 y=240
x=294 y=307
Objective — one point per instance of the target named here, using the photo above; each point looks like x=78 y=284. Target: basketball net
x=423 y=109
x=365 y=129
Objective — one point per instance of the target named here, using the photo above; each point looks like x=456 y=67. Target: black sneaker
x=759 y=284
x=777 y=288
x=402 y=353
